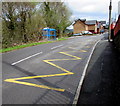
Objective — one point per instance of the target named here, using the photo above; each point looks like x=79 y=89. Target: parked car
x=77 y=34
x=87 y=33
x=102 y=31
x=90 y=33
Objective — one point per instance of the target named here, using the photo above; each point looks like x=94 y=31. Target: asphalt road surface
x=46 y=74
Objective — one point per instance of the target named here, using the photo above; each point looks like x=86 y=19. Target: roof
x=91 y=22
x=49 y=29
x=102 y=22
x=83 y=20
x=99 y=24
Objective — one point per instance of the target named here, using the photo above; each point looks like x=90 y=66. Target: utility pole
x=110 y=9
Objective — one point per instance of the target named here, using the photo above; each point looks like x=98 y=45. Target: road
x=46 y=74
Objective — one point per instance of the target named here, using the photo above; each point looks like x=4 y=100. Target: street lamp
x=109 y=33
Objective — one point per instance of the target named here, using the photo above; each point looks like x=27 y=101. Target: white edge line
x=56 y=46
x=83 y=76
x=26 y=58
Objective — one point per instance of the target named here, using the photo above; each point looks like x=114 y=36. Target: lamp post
x=110 y=9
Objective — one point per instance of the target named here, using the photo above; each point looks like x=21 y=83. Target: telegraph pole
x=110 y=9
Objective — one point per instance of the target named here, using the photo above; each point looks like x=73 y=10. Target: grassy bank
x=28 y=45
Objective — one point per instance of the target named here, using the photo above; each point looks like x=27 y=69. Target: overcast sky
x=92 y=9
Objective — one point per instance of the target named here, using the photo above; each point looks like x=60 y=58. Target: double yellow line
x=19 y=80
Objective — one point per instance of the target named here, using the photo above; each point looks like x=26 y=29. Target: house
x=101 y=26
x=103 y=22
x=116 y=36
x=92 y=26
x=79 y=26
x=117 y=27
x=83 y=25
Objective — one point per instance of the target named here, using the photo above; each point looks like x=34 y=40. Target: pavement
x=102 y=81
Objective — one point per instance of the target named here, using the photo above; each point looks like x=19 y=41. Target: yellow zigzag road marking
x=77 y=49
x=15 y=80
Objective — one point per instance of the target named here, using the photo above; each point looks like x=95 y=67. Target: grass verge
x=28 y=45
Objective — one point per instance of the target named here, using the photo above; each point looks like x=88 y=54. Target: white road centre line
x=26 y=58
x=56 y=47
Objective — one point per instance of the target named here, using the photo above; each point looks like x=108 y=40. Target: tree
x=34 y=27
x=23 y=21
x=25 y=10
x=16 y=17
x=56 y=15
x=9 y=22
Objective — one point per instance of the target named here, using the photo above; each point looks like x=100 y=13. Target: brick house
x=79 y=26
x=83 y=25
x=101 y=26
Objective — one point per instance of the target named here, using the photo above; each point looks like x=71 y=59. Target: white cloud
x=89 y=5
x=88 y=9
x=92 y=8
